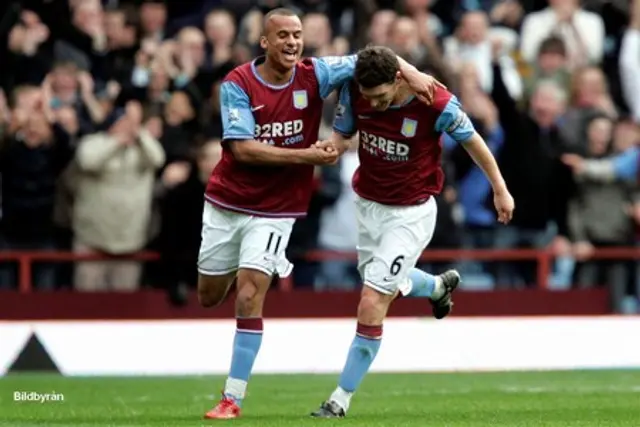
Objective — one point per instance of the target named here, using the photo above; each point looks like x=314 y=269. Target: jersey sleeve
x=625 y=165
x=344 y=122
x=333 y=71
x=235 y=108
x=455 y=122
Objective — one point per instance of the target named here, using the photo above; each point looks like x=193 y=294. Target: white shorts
x=390 y=242
x=232 y=240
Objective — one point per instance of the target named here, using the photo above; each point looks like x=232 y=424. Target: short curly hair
x=376 y=65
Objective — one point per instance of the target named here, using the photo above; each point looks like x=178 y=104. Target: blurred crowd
x=109 y=121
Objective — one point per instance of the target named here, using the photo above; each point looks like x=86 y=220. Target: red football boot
x=225 y=410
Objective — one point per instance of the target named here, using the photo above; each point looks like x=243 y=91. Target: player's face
x=283 y=41
x=380 y=97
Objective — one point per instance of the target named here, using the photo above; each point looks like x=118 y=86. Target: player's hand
x=424 y=87
x=505 y=206
x=321 y=156
x=326 y=145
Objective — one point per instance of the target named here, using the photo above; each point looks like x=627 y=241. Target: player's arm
x=457 y=125
x=238 y=126
x=333 y=72
x=343 y=124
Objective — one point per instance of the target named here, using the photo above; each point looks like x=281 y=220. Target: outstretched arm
x=456 y=124
x=333 y=72
x=624 y=166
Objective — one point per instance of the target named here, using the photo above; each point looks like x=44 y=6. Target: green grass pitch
x=518 y=399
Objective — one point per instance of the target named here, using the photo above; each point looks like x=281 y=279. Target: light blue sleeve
x=344 y=122
x=625 y=165
x=235 y=109
x=333 y=71
x=455 y=122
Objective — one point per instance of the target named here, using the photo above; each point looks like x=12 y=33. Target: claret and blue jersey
x=400 y=149
x=286 y=116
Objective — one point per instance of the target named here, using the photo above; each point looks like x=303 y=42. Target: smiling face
x=282 y=41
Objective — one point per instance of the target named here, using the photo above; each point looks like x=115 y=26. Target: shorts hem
x=380 y=289
x=257 y=268
x=206 y=272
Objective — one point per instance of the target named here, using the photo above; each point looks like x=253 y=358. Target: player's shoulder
x=239 y=74
x=441 y=98
x=306 y=64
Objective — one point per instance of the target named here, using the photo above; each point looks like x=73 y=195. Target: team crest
x=300 y=100
x=409 y=128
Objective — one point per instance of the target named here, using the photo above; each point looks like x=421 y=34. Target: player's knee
x=373 y=306
x=252 y=288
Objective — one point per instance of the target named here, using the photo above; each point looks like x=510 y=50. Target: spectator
x=67 y=86
x=599 y=217
x=30 y=51
x=220 y=32
x=531 y=164
x=589 y=95
x=112 y=206
x=472 y=43
x=33 y=154
x=153 y=20
x=581 y=31
x=378 y=31
x=551 y=64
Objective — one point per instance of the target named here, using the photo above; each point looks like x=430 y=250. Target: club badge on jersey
x=300 y=100
x=409 y=128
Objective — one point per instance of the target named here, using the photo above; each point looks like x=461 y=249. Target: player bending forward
x=271 y=111
x=398 y=176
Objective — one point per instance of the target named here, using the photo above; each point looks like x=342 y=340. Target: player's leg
x=219 y=255
x=418 y=283
x=389 y=246
x=372 y=310
x=375 y=300
x=261 y=258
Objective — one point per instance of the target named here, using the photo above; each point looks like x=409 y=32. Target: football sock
x=362 y=352
x=246 y=345
x=425 y=285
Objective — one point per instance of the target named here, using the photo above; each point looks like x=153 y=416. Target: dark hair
x=552 y=45
x=376 y=65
